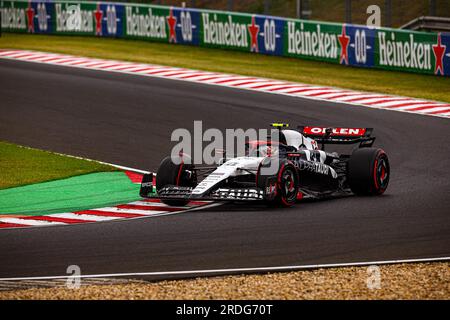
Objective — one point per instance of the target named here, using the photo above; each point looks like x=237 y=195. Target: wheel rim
x=288 y=185
x=381 y=173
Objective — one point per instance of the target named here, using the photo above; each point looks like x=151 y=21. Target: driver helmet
x=268 y=151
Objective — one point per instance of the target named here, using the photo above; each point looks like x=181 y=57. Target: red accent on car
x=379 y=187
x=179 y=173
x=257 y=173
x=255 y=143
x=279 y=174
x=375 y=178
x=383 y=173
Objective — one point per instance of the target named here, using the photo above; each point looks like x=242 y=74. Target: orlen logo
x=335 y=131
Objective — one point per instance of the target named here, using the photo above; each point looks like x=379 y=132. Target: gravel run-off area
x=398 y=281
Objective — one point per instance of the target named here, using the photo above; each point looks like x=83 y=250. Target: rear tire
x=171 y=174
x=368 y=171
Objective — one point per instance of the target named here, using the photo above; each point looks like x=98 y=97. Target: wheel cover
x=288 y=185
x=382 y=173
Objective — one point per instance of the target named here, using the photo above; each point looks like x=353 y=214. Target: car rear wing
x=339 y=135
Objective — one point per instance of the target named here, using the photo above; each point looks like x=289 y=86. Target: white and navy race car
x=303 y=170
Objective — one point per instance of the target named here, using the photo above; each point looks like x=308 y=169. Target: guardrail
x=353 y=45
x=427 y=23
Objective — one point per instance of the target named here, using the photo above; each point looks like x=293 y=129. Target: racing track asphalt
x=127 y=120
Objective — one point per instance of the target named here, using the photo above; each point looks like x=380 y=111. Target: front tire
x=287 y=182
x=284 y=185
x=368 y=171
x=171 y=174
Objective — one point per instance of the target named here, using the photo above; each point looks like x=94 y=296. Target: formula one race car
x=302 y=170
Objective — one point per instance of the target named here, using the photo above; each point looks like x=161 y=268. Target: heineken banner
x=353 y=45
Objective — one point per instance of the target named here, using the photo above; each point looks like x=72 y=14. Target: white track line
x=352 y=96
x=146 y=214
x=423 y=105
x=125 y=168
x=86 y=217
x=393 y=103
x=131 y=211
x=27 y=222
x=156 y=204
x=102 y=162
x=433 y=109
x=235 y=270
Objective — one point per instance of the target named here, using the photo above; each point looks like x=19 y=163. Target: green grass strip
x=21 y=165
x=67 y=195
